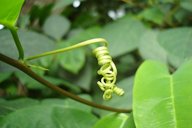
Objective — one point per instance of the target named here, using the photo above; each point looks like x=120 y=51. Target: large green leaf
x=161 y=99
x=113 y=121
x=56 y=26
x=123 y=35
x=177 y=41
x=9 y=11
x=44 y=116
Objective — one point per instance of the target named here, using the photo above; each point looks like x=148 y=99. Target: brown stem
x=17 y=64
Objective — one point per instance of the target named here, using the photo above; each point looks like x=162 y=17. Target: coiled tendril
x=108 y=71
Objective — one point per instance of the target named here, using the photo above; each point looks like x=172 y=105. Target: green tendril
x=109 y=72
x=108 y=69
x=81 y=44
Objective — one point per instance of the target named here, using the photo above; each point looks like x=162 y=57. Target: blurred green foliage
x=136 y=30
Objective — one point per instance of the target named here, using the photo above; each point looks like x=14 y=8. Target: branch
x=17 y=64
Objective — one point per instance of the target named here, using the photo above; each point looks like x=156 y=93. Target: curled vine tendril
x=108 y=71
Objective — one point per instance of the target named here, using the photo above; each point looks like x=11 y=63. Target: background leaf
x=56 y=26
x=153 y=14
x=124 y=101
x=186 y=4
x=149 y=47
x=122 y=35
x=33 y=43
x=48 y=117
x=72 y=60
x=177 y=42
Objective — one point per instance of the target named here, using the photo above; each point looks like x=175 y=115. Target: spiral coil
x=108 y=71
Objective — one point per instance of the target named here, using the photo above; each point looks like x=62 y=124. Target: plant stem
x=17 y=64
x=85 y=43
x=17 y=42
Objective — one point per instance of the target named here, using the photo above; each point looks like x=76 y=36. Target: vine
x=108 y=69
x=17 y=64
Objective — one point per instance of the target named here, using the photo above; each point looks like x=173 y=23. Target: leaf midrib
x=173 y=101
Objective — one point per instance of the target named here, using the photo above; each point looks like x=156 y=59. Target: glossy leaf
x=56 y=26
x=113 y=121
x=161 y=99
x=122 y=35
x=9 y=11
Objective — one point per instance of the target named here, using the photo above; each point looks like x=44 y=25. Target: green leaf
x=4 y=76
x=149 y=47
x=73 y=118
x=92 y=32
x=124 y=101
x=112 y=121
x=9 y=11
x=61 y=4
x=177 y=41
x=161 y=99
x=123 y=35
x=8 y=106
x=33 y=43
x=130 y=122
x=13 y=105
x=56 y=26
x=186 y=4
x=31 y=117
x=69 y=103
x=85 y=78
x=153 y=14
x=30 y=83
x=43 y=116
x=72 y=60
